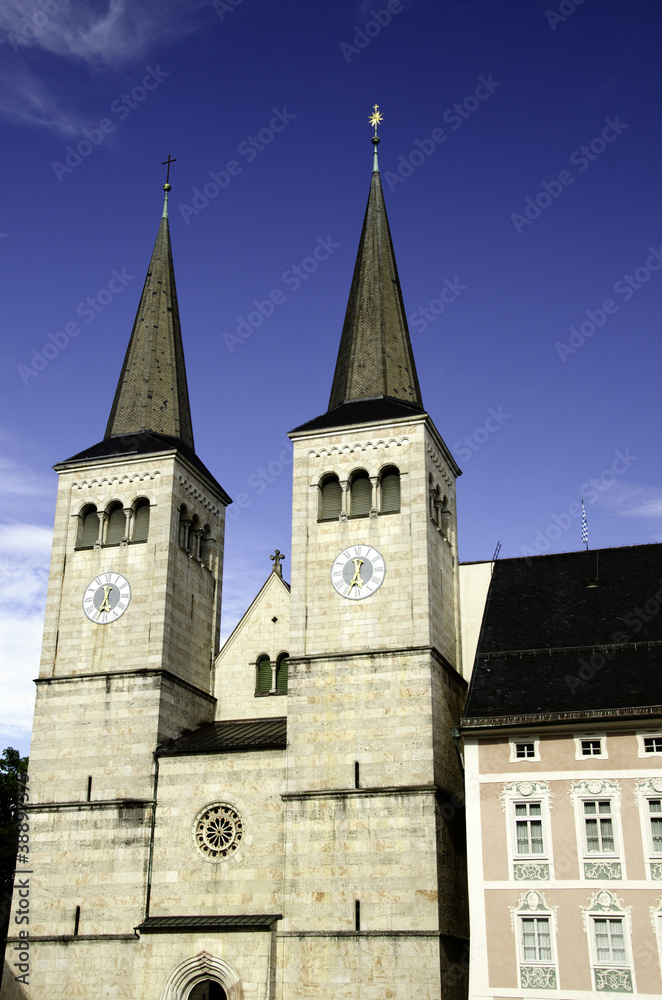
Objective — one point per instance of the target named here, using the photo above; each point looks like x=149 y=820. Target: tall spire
x=375 y=358
x=152 y=394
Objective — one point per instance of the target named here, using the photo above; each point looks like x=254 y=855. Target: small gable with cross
x=251 y=669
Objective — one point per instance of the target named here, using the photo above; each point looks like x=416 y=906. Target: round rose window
x=217 y=831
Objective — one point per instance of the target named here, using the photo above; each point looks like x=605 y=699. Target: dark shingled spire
x=152 y=394
x=375 y=357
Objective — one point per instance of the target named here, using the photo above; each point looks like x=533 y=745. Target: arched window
x=194 y=536
x=331 y=498
x=263 y=674
x=116 y=527
x=390 y=481
x=141 y=520
x=206 y=546
x=281 y=672
x=89 y=529
x=184 y=526
x=208 y=989
x=360 y=495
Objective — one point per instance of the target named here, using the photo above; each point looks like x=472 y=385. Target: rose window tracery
x=217 y=831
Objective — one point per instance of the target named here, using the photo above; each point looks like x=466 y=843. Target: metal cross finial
x=168 y=162
x=376 y=117
x=276 y=559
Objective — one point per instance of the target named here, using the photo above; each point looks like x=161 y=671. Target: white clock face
x=358 y=572
x=106 y=598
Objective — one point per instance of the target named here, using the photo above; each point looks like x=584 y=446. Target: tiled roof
x=152 y=394
x=362 y=411
x=554 y=644
x=229 y=737
x=236 y=922
x=375 y=356
x=144 y=443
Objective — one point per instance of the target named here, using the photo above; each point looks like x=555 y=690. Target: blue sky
x=520 y=162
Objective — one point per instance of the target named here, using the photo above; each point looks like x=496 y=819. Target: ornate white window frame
x=656 y=921
x=609 y=977
x=641 y=747
x=536 y=974
x=594 y=865
x=514 y=743
x=580 y=738
x=528 y=867
x=647 y=789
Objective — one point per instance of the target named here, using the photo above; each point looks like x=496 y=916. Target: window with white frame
x=598 y=827
x=590 y=745
x=648 y=799
x=597 y=812
x=524 y=749
x=535 y=939
x=656 y=920
x=650 y=744
x=528 y=829
x=527 y=805
x=533 y=921
x=609 y=940
x=607 y=923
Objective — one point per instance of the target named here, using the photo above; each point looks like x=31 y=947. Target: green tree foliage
x=12 y=765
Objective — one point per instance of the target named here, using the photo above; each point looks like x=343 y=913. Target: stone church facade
x=282 y=819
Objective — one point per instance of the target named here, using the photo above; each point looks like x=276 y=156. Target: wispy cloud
x=18 y=480
x=99 y=35
x=24 y=556
x=633 y=500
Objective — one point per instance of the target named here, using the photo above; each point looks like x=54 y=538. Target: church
x=284 y=818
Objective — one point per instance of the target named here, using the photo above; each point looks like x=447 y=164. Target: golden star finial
x=376 y=117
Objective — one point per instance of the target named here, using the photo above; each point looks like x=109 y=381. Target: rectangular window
x=528 y=828
x=525 y=749
x=609 y=941
x=590 y=745
x=536 y=940
x=655 y=814
x=652 y=744
x=599 y=827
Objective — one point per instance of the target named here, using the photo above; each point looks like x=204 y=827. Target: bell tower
x=131 y=630
x=375 y=871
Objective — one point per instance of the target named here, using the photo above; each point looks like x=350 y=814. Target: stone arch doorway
x=203 y=977
x=208 y=989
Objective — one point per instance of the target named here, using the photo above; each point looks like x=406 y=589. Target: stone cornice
x=94 y=804
x=141 y=672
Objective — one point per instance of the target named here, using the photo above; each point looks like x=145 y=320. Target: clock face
x=106 y=598
x=358 y=572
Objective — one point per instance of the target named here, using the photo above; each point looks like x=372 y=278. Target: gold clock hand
x=105 y=606
x=356 y=580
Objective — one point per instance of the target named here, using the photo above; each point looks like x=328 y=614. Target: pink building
x=562 y=745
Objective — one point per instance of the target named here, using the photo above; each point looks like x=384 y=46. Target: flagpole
x=584 y=526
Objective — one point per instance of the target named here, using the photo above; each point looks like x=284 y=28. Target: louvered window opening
x=331 y=500
x=391 y=493
x=141 y=523
x=361 y=497
x=264 y=675
x=281 y=675
x=116 y=527
x=90 y=532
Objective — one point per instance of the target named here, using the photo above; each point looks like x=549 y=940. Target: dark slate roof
x=552 y=646
x=362 y=411
x=144 y=443
x=237 y=922
x=229 y=737
x=375 y=356
x=152 y=394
